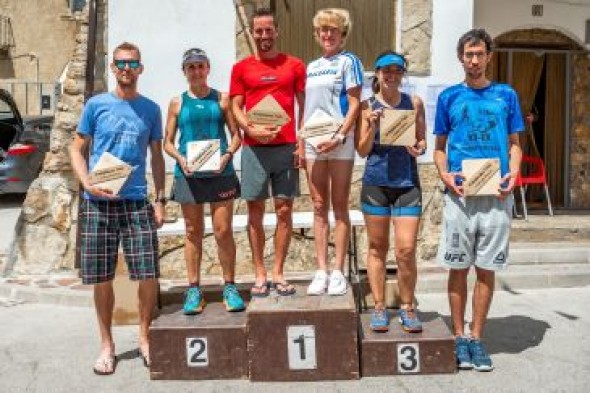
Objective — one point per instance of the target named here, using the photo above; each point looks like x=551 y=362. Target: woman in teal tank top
x=200 y=115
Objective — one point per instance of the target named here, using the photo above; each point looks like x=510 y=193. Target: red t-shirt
x=282 y=77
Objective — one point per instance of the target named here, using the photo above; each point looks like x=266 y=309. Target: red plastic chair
x=536 y=175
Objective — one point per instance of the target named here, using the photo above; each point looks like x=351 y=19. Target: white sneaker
x=318 y=284
x=337 y=285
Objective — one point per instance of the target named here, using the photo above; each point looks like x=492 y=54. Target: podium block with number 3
x=397 y=352
x=303 y=338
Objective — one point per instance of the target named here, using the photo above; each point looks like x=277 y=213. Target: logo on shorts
x=500 y=259
x=455 y=257
x=228 y=194
x=455 y=240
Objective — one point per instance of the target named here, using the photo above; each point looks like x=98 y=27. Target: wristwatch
x=161 y=200
x=340 y=137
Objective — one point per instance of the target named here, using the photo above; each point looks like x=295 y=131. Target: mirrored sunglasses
x=121 y=64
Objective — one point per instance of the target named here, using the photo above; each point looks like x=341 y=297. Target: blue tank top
x=390 y=166
x=200 y=119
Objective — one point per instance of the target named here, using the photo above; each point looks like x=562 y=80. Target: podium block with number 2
x=211 y=345
x=303 y=338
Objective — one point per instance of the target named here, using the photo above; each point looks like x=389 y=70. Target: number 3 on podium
x=301 y=347
x=408 y=358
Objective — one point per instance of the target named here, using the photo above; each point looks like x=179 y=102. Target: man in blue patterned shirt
x=475 y=119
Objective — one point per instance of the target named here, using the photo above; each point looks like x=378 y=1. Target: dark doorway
x=539 y=77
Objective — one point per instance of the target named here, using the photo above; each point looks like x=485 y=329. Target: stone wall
x=416 y=35
x=580 y=133
x=45 y=235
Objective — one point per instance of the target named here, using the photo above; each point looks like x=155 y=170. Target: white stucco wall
x=164 y=30
x=569 y=16
x=451 y=18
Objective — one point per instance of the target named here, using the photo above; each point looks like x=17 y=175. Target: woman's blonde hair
x=337 y=17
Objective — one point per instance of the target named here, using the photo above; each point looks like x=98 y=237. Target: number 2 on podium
x=301 y=347
x=197 y=353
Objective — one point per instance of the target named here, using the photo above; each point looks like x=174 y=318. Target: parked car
x=23 y=144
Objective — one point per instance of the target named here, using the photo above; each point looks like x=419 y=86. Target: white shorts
x=475 y=231
x=342 y=152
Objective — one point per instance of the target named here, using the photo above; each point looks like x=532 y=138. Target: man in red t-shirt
x=271 y=155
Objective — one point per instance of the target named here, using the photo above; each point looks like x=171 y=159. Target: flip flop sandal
x=284 y=288
x=105 y=365
x=262 y=290
x=145 y=358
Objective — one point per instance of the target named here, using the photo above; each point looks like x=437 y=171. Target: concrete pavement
x=538 y=341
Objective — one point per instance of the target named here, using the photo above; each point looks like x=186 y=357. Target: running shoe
x=409 y=320
x=194 y=303
x=318 y=284
x=380 y=321
x=463 y=353
x=479 y=357
x=232 y=299
x=337 y=285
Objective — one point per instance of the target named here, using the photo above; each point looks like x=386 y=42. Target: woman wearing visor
x=201 y=113
x=391 y=191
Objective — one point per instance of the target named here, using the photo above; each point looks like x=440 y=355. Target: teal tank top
x=200 y=119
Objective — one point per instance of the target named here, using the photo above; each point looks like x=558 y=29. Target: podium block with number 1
x=303 y=338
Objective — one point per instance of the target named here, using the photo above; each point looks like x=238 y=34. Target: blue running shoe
x=232 y=299
x=479 y=357
x=380 y=321
x=409 y=320
x=194 y=303
x=463 y=353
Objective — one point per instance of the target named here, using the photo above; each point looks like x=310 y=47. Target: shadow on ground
x=12 y=200
x=512 y=334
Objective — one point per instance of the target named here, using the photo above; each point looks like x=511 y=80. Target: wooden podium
x=211 y=345
x=397 y=352
x=303 y=338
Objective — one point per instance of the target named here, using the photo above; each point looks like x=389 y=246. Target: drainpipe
x=90 y=50
x=244 y=23
x=88 y=91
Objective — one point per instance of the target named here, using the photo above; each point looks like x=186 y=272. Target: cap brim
x=195 y=59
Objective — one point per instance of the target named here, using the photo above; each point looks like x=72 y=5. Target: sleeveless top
x=390 y=166
x=200 y=119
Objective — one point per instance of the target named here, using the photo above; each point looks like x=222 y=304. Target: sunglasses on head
x=121 y=64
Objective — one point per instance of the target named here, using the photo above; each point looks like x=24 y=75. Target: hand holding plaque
x=319 y=128
x=397 y=127
x=109 y=173
x=203 y=156
x=267 y=112
x=482 y=177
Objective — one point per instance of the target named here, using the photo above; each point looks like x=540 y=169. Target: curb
x=532 y=266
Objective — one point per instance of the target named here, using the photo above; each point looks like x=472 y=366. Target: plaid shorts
x=103 y=224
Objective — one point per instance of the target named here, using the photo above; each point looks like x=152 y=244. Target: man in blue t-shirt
x=475 y=119
x=124 y=124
